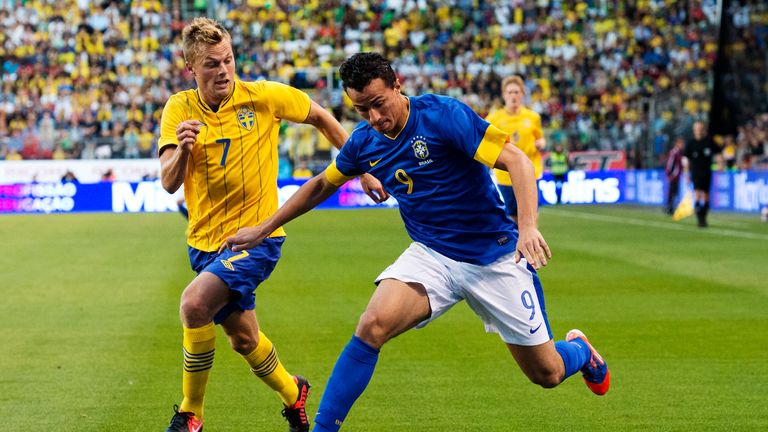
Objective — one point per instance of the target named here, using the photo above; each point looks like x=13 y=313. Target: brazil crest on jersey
x=436 y=169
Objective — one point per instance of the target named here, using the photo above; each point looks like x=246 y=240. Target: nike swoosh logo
x=373 y=164
x=534 y=330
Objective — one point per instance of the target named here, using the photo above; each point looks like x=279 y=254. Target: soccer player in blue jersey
x=432 y=153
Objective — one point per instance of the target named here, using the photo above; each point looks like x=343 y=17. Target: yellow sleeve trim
x=161 y=145
x=335 y=176
x=491 y=146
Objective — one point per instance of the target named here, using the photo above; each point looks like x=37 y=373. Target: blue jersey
x=435 y=169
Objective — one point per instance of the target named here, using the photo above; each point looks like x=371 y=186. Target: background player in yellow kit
x=524 y=125
x=220 y=142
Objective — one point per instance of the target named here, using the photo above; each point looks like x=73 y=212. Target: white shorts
x=506 y=296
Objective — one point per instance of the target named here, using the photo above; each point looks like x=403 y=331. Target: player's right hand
x=186 y=133
x=244 y=238
x=532 y=246
x=373 y=188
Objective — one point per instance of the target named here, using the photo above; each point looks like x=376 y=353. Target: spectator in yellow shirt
x=146 y=140
x=524 y=125
x=302 y=171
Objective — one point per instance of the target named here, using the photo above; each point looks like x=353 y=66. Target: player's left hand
x=373 y=188
x=244 y=238
x=533 y=247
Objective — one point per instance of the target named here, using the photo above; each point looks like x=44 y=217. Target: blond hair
x=514 y=79
x=201 y=31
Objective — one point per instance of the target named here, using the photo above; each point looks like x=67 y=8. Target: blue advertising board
x=585 y=187
x=745 y=191
x=124 y=197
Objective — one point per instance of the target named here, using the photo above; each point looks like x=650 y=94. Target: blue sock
x=575 y=355
x=348 y=380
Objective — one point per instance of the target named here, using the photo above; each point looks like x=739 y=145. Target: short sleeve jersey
x=436 y=168
x=700 y=154
x=524 y=129
x=231 y=178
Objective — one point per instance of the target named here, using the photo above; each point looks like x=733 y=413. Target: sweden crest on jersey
x=420 y=147
x=245 y=118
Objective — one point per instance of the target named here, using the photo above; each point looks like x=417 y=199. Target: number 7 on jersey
x=226 y=142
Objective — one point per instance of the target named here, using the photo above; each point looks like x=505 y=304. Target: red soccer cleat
x=595 y=372
x=295 y=414
x=184 y=422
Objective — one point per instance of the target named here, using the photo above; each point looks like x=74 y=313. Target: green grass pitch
x=91 y=339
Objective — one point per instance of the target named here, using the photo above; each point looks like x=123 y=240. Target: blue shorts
x=510 y=202
x=242 y=271
x=508 y=195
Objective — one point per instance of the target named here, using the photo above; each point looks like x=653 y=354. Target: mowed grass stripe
x=679 y=321
x=83 y=304
x=591 y=214
x=727 y=260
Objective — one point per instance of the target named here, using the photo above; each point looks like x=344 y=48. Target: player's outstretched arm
x=312 y=193
x=326 y=124
x=321 y=119
x=531 y=243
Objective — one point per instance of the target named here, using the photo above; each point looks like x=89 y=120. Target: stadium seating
x=87 y=79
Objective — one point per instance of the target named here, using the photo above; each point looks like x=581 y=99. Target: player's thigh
x=206 y=294
x=415 y=290
x=508 y=298
x=395 y=307
x=242 y=272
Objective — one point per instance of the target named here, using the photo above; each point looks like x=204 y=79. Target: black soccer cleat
x=184 y=422
x=296 y=414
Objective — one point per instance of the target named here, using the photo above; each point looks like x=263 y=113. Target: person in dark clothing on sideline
x=699 y=151
x=674 y=169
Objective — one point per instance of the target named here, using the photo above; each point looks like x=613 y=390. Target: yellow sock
x=199 y=347
x=265 y=365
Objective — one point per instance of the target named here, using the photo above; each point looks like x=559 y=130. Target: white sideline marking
x=658 y=224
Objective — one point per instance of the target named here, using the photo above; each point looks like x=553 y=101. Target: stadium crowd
x=86 y=79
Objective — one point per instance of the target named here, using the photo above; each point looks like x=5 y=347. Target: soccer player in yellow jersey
x=220 y=142
x=524 y=125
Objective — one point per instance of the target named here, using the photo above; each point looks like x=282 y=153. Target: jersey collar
x=223 y=101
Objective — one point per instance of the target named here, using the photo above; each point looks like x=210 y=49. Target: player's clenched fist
x=186 y=133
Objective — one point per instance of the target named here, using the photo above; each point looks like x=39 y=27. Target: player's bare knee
x=243 y=343
x=194 y=310
x=371 y=329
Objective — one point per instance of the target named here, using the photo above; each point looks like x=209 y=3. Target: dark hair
x=359 y=70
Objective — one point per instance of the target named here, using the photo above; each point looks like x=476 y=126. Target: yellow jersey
x=524 y=129
x=231 y=177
